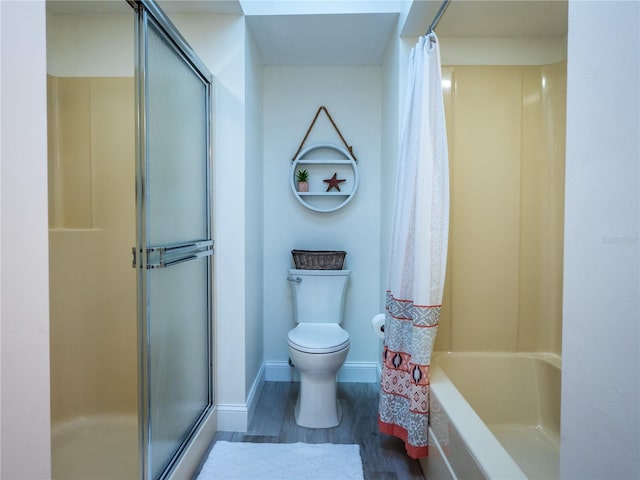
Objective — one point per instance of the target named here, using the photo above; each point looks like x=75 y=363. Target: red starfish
x=334 y=182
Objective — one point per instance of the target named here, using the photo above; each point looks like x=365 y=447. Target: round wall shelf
x=324 y=162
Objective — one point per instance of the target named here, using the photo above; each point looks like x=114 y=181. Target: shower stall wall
x=93 y=326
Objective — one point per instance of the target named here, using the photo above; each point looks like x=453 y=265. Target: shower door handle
x=168 y=255
x=183 y=259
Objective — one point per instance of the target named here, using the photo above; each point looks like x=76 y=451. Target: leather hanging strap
x=334 y=126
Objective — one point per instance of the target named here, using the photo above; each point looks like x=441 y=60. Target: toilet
x=318 y=345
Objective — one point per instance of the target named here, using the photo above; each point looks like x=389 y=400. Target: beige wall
x=506 y=143
x=92 y=230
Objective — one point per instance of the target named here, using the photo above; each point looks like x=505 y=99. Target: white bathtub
x=494 y=416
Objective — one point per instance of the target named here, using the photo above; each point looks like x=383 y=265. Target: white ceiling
x=222 y=7
x=356 y=32
x=351 y=39
x=362 y=38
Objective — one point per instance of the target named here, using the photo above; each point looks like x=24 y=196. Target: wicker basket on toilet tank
x=318 y=259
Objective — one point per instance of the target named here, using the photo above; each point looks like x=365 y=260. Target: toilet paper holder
x=378 y=323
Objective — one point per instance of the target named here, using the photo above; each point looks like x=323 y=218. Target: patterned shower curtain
x=418 y=254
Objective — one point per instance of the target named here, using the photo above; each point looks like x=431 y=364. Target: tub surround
x=505 y=128
x=503 y=291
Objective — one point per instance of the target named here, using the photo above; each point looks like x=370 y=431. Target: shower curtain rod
x=438 y=16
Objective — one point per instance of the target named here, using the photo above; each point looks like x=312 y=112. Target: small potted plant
x=302 y=176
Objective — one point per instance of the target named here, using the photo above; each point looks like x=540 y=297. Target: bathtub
x=494 y=416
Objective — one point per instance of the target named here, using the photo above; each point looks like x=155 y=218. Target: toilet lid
x=318 y=338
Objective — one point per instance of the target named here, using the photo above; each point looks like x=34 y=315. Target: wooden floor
x=383 y=457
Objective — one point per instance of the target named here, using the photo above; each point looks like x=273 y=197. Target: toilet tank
x=318 y=295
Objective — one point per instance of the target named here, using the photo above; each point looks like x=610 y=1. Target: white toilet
x=318 y=346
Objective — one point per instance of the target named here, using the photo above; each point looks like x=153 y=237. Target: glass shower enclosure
x=130 y=163
x=174 y=240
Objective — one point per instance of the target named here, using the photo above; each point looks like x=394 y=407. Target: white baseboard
x=355 y=372
x=235 y=417
x=280 y=372
x=254 y=393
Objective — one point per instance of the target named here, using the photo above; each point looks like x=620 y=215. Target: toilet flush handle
x=294 y=279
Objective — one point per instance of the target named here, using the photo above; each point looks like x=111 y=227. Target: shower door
x=173 y=255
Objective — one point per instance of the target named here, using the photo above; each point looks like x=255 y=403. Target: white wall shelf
x=324 y=194
x=322 y=161
x=331 y=161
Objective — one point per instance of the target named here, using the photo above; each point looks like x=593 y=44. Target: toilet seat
x=318 y=338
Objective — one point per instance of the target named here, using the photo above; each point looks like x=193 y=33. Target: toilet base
x=317 y=405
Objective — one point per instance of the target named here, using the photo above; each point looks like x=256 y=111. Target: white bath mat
x=280 y=461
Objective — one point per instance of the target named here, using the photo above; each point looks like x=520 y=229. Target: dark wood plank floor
x=383 y=457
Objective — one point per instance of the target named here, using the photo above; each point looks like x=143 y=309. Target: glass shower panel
x=178 y=356
x=176 y=143
x=175 y=245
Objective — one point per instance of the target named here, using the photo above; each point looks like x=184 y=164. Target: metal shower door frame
x=147 y=257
